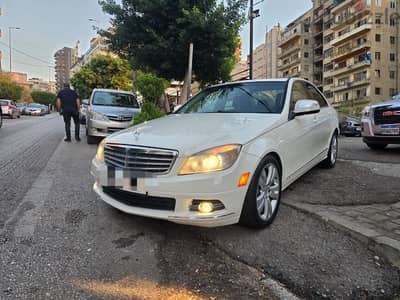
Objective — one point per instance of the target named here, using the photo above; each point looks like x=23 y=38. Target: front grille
x=140 y=200
x=381 y=119
x=120 y=118
x=139 y=159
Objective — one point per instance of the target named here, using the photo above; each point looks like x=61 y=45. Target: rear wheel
x=263 y=197
x=377 y=146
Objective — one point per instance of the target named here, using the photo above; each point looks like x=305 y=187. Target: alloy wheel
x=268 y=191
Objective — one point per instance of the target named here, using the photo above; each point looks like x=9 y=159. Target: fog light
x=206 y=207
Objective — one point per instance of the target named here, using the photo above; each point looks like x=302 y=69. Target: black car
x=350 y=127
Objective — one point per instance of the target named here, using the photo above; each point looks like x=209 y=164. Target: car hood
x=191 y=133
x=115 y=110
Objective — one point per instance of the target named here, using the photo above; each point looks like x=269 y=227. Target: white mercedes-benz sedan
x=224 y=157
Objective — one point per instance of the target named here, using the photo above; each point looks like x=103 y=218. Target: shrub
x=150 y=86
x=149 y=112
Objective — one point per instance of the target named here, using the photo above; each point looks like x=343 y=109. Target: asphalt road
x=59 y=241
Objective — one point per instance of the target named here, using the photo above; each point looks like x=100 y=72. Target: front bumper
x=102 y=128
x=220 y=186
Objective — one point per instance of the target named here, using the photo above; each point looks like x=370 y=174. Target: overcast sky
x=48 y=25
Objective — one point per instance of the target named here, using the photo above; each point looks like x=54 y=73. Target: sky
x=49 y=25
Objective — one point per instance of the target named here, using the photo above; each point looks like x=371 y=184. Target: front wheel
x=330 y=161
x=264 y=195
x=377 y=146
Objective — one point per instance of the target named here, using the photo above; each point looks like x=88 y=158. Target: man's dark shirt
x=68 y=100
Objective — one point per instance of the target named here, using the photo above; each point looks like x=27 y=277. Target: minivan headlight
x=100 y=151
x=211 y=160
x=99 y=116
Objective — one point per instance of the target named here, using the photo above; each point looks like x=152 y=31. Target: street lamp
x=9 y=43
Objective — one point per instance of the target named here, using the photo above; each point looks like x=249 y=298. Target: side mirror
x=85 y=102
x=177 y=107
x=306 y=107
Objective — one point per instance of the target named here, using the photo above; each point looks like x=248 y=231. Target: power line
x=28 y=55
x=32 y=65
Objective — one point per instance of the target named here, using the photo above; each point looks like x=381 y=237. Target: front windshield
x=34 y=105
x=258 y=97
x=115 y=99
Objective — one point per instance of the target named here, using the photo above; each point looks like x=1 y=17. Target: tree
x=9 y=89
x=103 y=72
x=150 y=86
x=43 y=97
x=155 y=35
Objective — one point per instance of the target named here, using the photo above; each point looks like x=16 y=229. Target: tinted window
x=115 y=99
x=267 y=97
x=299 y=92
x=313 y=94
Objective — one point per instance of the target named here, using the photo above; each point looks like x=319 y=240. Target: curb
x=385 y=246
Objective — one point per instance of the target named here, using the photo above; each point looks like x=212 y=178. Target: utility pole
x=251 y=40
x=9 y=44
x=189 y=79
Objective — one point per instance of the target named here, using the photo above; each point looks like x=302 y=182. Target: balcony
x=318 y=57
x=350 y=68
x=289 y=64
x=351 y=84
x=289 y=50
x=289 y=38
x=350 y=34
x=356 y=47
x=355 y=15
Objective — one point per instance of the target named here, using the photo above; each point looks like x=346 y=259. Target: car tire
x=376 y=146
x=91 y=140
x=330 y=161
x=1 y=119
x=260 y=191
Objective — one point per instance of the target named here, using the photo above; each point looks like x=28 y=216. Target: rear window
x=114 y=99
x=3 y=103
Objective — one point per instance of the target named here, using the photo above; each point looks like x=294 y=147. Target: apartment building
x=272 y=39
x=361 y=51
x=260 y=62
x=296 y=48
x=65 y=58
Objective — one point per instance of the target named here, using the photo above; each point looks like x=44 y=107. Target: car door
x=298 y=135
x=322 y=129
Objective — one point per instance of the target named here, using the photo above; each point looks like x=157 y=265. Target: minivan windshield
x=254 y=97
x=114 y=99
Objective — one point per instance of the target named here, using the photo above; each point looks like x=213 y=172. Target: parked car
x=224 y=157
x=381 y=124
x=46 y=109
x=35 y=109
x=82 y=113
x=22 y=106
x=350 y=127
x=109 y=111
x=9 y=108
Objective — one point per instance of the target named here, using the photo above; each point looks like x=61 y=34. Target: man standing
x=68 y=104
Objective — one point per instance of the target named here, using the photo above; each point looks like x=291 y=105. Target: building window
x=377 y=91
x=392 y=74
x=392 y=4
x=306 y=54
x=378 y=73
x=306 y=42
x=378 y=3
x=392 y=57
x=377 y=55
x=378 y=19
x=393 y=40
x=392 y=92
x=377 y=37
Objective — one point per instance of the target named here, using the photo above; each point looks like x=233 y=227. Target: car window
x=3 y=103
x=313 y=94
x=298 y=93
x=263 y=97
x=114 y=99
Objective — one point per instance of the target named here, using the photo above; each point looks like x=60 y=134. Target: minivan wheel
x=330 y=160
x=264 y=194
x=377 y=146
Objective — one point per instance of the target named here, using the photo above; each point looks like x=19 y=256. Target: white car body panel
x=300 y=143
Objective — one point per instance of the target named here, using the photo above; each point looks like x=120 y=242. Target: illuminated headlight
x=366 y=111
x=100 y=151
x=212 y=160
x=99 y=116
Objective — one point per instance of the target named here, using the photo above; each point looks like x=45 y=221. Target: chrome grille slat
x=139 y=159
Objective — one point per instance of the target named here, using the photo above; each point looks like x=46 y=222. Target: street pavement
x=59 y=241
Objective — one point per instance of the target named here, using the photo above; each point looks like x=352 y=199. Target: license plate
x=390 y=129
x=121 y=178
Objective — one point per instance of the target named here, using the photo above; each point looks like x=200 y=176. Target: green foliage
x=352 y=109
x=150 y=86
x=149 y=112
x=156 y=35
x=9 y=89
x=103 y=72
x=42 y=97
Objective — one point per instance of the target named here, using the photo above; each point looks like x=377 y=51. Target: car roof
x=113 y=91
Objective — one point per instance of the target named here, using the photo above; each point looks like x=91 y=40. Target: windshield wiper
x=258 y=100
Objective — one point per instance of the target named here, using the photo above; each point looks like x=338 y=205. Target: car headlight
x=366 y=111
x=99 y=116
x=211 y=160
x=100 y=151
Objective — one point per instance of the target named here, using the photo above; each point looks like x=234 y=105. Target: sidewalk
x=376 y=225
